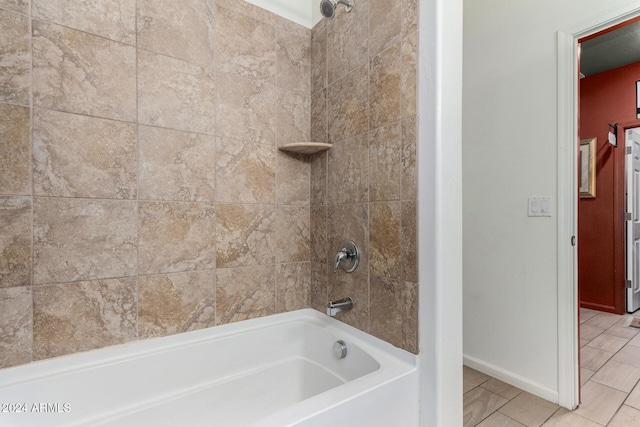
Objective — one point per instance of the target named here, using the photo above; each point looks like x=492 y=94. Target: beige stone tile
x=319 y=293
x=387 y=309
x=409 y=77
x=319 y=61
x=81 y=73
x=16 y=326
x=626 y=416
x=349 y=221
x=318 y=233
x=587 y=313
x=409 y=17
x=478 y=404
x=635 y=341
x=176 y=165
x=588 y=332
x=245 y=109
x=175 y=94
x=603 y=320
x=79 y=239
x=293 y=178
x=73 y=317
x=617 y=375
x=623 y=332
x=599 y=402
x=115 y=20
x=409 y=156
x=21 y=6
x=385 y=163
x=348 y=41
x=176 y=236
x=245 y=171
x=529 y=410
x=472 y=378
x=592 y=358
x=385 y=238
x=15 y=241
x=82 y=156
x=293 y=286
x=15 y=148
x=293 y=112
x=246 y=235
x=173 y=303
x=501 y=388
x=609 y=343
x=585 y=375
x=244 y=293
x=634 y=398
x=348 y=105
x=565 y=418
x=244 y=46
x=498 y=420
x=629 y=355
x=249 y=10
x=319 y=179
x=384 y=86
x=410 y=326
x=319 y=129
x=293 y=239
x=16 y=58
x=409 y=243
x=385 y=25
x=183 y=29
x=293 y=59
x=356 y=286
x=348 y=170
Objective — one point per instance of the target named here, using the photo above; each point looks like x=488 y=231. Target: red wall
x=608 y=97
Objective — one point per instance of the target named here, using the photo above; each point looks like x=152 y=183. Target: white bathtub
x=274 y=371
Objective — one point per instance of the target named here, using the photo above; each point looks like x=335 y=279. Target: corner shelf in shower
x=305 y=147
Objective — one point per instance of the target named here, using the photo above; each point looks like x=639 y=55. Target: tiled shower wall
x=363 y=86
x=141 y=191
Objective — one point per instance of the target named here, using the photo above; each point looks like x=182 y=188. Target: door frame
x=567 y=158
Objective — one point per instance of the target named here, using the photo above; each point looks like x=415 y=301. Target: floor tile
x=479 y=403
x=501 y=388
x=609 y=343
x=634 y=398
x=529 y=410
x=603 y=320
x=472 y=378
x=635 y=341
x=565 y=418
x=589 y=332
x=629 y=355
x=623 y=331
x=587 y=313
x=599 y=402
x=585 y=375
x=499 y=420
x=617 y=375
x=626 y=417
x=592 y=358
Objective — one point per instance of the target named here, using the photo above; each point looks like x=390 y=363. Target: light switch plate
x=540 y=206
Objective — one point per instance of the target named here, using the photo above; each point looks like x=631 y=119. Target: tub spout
x=335 y=307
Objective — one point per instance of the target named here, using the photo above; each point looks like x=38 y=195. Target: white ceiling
x=303 y=12
x=611 y=50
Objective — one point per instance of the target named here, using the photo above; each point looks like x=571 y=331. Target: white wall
x=510 y=153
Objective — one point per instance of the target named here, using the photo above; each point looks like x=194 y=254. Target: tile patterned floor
x=610 y=375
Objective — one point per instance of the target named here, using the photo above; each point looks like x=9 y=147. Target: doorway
x=568 y=107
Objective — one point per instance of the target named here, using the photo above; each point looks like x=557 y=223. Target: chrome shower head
x=328 y=7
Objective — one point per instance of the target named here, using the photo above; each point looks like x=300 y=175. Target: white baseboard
x=511 y=378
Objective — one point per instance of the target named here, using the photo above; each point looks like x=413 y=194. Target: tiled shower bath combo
x=142 y=193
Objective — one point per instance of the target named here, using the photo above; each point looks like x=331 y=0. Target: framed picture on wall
x=588 y=168
x=638 y=99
